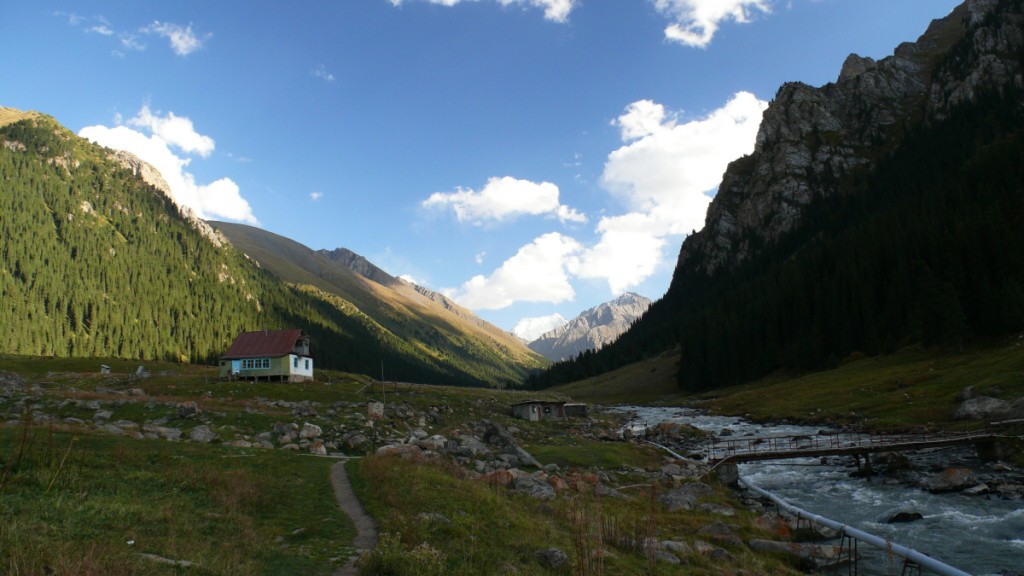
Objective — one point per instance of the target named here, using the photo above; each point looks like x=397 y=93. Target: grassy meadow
x=912 y=388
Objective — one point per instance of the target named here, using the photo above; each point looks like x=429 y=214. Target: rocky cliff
x=360 y=265
x=810 y=138
x=592 y=329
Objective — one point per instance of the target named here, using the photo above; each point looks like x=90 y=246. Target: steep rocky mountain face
x=812 y=139
x=878 y=211
x=360 y=265
x=592 y=329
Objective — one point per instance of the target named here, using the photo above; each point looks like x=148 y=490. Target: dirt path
x=366 y=537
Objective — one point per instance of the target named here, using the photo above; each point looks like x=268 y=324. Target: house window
x=307 y=363
x=295 y=362
x=256 y=364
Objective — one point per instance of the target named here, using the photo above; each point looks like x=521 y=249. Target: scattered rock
x=665 y=557
x=310 y=431
x=400 y=450
x=202 y=433
x=532 y=487
x=677 y=548
x=318 y=448
x=552 y=558
x=811 y=555
x=188 y=409
x=978 y=490
x=718 y=509
x=685 y=497
x=900 y=517
x=952 y=480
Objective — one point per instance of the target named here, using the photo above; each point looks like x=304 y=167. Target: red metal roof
x=264 y=344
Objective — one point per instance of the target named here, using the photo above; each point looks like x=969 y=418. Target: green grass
x=646 y=382
x=438 y=521
x=911 y=388
x=593 y=454
x=905 y=390
x=94 y=507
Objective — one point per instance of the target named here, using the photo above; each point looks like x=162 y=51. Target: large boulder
x=203 y=434
x=952 y=480
x=400 y=450
x=188 y=409
x=981 y=408
x=552 y=558
x=685 y=497
x=310 y=431
x=532 y=487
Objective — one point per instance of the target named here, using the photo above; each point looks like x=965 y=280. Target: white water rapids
x=982 y=535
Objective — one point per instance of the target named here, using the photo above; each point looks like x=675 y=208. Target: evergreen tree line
x=96 y=263
x=926 y=248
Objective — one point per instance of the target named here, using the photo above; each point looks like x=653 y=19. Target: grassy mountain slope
x=440 y=329
x=96 y=262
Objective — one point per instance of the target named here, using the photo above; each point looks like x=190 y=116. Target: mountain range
x=591 y=329
x=879 y=211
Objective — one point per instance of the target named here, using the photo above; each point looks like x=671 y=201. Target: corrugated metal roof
x=264 y=344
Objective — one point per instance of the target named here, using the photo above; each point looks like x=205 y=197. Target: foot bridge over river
x=729 y=451
x=753 y=448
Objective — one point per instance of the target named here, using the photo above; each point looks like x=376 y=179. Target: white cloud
x=183 y=40
x=219 y=199
x=131 y=42
x=628 y=252
x=175 y=130
x=530 y=329
x=321 y=72
x=664 y=175
x=554 y=10
x=314 y=196
x=695 y=22
x=539 y=272
x=102 y=27
x=504 y=198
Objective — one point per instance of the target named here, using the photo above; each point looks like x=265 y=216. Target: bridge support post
x=848 y=554
x=728 y=474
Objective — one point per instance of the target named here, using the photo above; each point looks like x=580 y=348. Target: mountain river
x=981 y=535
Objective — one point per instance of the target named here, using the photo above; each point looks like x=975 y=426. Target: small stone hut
x=535 y=410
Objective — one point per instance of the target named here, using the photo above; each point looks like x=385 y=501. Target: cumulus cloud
x=539 y=272
x=554 y=10
x=695 y=22
x=664 y=174
x=219 y=199
x=530 y=329
x=183 y=40
x=504 y=198
x=314 y=196
x=174 y=130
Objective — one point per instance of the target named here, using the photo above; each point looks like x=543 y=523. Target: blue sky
x=527 y=157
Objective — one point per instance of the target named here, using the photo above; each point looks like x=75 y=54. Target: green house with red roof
x=281 y=355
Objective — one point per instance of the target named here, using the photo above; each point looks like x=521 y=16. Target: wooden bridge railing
x=793 y=446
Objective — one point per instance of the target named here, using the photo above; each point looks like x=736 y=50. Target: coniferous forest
x=926 y=248
x=94 y=262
